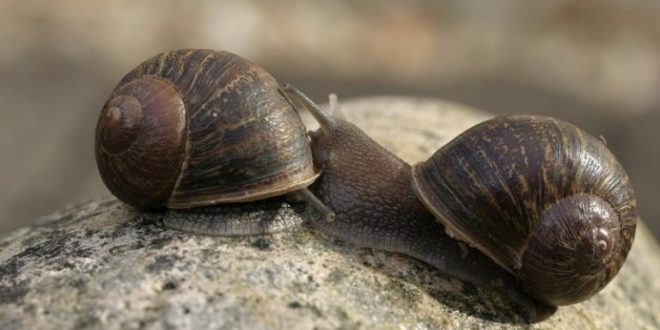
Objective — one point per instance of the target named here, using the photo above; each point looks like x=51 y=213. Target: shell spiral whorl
x=153 y=159
x=543 y=199
x=198 y=127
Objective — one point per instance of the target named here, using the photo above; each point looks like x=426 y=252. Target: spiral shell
x=543 y=199
x=199 y=127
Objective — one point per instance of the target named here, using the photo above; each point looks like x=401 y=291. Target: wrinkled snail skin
x=540 y=197
x=194 y=128
x=369 y=189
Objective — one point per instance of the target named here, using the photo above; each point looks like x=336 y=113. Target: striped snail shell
x=543 y=199
x=191 y=128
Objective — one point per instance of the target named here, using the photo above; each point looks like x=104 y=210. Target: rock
x=105 y=265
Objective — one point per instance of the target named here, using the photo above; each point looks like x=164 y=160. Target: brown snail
x=193 y=128
x=196 y=128
x=542 y=199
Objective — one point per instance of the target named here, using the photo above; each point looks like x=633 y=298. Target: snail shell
x=543 y=199
x=199 y=127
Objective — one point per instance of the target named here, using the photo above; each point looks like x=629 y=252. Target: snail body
x=381 y=202
x=193 y=128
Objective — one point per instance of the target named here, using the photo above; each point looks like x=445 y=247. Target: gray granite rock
x=105 y=265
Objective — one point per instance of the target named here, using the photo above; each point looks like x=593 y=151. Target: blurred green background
x=593 y=63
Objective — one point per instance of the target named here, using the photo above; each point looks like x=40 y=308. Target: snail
x=542 y=206
x=528 y=205
x=194 y=128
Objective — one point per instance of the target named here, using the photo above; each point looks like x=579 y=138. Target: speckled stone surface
x=104 y=265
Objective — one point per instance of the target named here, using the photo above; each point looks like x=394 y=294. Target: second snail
x=548 y=212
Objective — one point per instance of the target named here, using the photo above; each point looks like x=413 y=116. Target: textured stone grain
x=104 y=265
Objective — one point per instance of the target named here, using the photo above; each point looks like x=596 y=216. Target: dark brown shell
x=199 y=127
x=542 y=198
